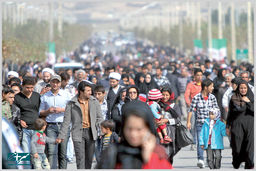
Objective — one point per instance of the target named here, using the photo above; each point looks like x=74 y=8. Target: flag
x=219 y=49
x=51 y=53
x=198 y=46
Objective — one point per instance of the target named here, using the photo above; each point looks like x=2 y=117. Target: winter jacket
x=218 y=131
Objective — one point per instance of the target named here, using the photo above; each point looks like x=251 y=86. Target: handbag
x=183 y=136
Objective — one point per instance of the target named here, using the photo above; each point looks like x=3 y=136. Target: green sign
x=18 y=158
x=241 y=54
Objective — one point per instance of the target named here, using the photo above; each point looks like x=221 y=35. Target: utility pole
x=60 y=19
x=50 y=21
x=233 y=32
x=249 y=26
x=199 y=32
x=210 y=31
x=180 y=17
x=220 y=20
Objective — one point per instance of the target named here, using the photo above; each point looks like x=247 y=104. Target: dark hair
x=196 y=70
x=82 y=85
x=7 y=90
x=206 y=83
x=39 y=123
x=125 y=76
x=99 y=88
x=159 y=68
x=108 y=124
x=14 y=79
x=16 y=84
x=28 y=80
x=64 y=76
x=236 y=80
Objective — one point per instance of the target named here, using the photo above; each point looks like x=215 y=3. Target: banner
x=198 y=46
x=51 y=59
x=219 y=49
x=241 y=54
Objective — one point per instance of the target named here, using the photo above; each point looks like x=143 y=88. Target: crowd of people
x=124 y=112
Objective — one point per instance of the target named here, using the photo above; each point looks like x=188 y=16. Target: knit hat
x=154 y=94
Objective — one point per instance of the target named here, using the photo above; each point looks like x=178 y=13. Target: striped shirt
x=202 y=107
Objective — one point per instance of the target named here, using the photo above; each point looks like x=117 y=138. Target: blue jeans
x=57 y=152
x=26 y=142
x=193 y=127
x=200 y=151
x=41 y=162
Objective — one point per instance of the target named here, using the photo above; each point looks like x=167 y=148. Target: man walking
x=28 y=102
x=201 y=104
x=86 y=118
x=52 y=107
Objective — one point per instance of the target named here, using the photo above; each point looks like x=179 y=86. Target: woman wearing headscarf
x=116 y=110
x=138 y=148
x=132 y=93
x=240 y=124
x=172 y=117
x=149 y=84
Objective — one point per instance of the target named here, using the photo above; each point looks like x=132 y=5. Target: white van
x=67 y=65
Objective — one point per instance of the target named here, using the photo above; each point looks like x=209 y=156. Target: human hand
x=161 y=122
x=189 y=125
x=246 y=99
x=35 y=155
x=148 y=145
x=23 y=124
x=45 y=90
x=202 y=146
x=58 y=140
x=51 y=110
x=58 y=110
x=227 y=131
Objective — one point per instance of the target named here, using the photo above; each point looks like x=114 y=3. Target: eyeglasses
x=133 y=92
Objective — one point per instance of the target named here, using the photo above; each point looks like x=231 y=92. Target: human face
x=80 y=76
x=212 y=116
x=210 y=88
x=147 y=78
x=16 y=89
x=142 y=79
x=94 y=80
x=228 y=81
x=237 y=73
x=133 y=94
x=243 y=89
x=113 y=83
x=103 y=130
x=27 y=89
x=234 y=86
x=166 y=96
x=158 y=72
x=123 y=95
x=99 y=96
x=245 y=77
x=10 y=98
x=86 y=93
x=135 y=130
x=126 y=81
x=46 y=77
x=64 y=83
x=198 y=77
x=55 y=85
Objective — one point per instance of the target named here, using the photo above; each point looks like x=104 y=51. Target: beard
x=46 y=80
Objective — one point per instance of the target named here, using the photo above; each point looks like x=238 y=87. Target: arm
x=153 y=108
x=223 y=129
x=201 y=136
x=33 y=144
x=215 y=105
x=187 y=94
x=66 y=122
x=192 y=107
x=99 y=117
x=116 y=116
x=225 y=99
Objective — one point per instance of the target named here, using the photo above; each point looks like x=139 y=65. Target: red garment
x=158 y=160
x=161 y=127
x=206 y=98
x=192 y=89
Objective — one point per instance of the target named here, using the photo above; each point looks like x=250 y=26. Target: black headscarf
x=128 y=156
x=127 y=98
x=238 y=96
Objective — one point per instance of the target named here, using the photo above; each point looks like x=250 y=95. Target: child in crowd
x=211 y=139
x=154 y=96
x=109 y=136
x=38 y=141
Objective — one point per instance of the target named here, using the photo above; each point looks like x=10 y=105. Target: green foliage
x=29 y=41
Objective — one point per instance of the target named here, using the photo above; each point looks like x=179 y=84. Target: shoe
x=200 y=164
x=70 y=160
x=161 y=141
x=168 y=139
